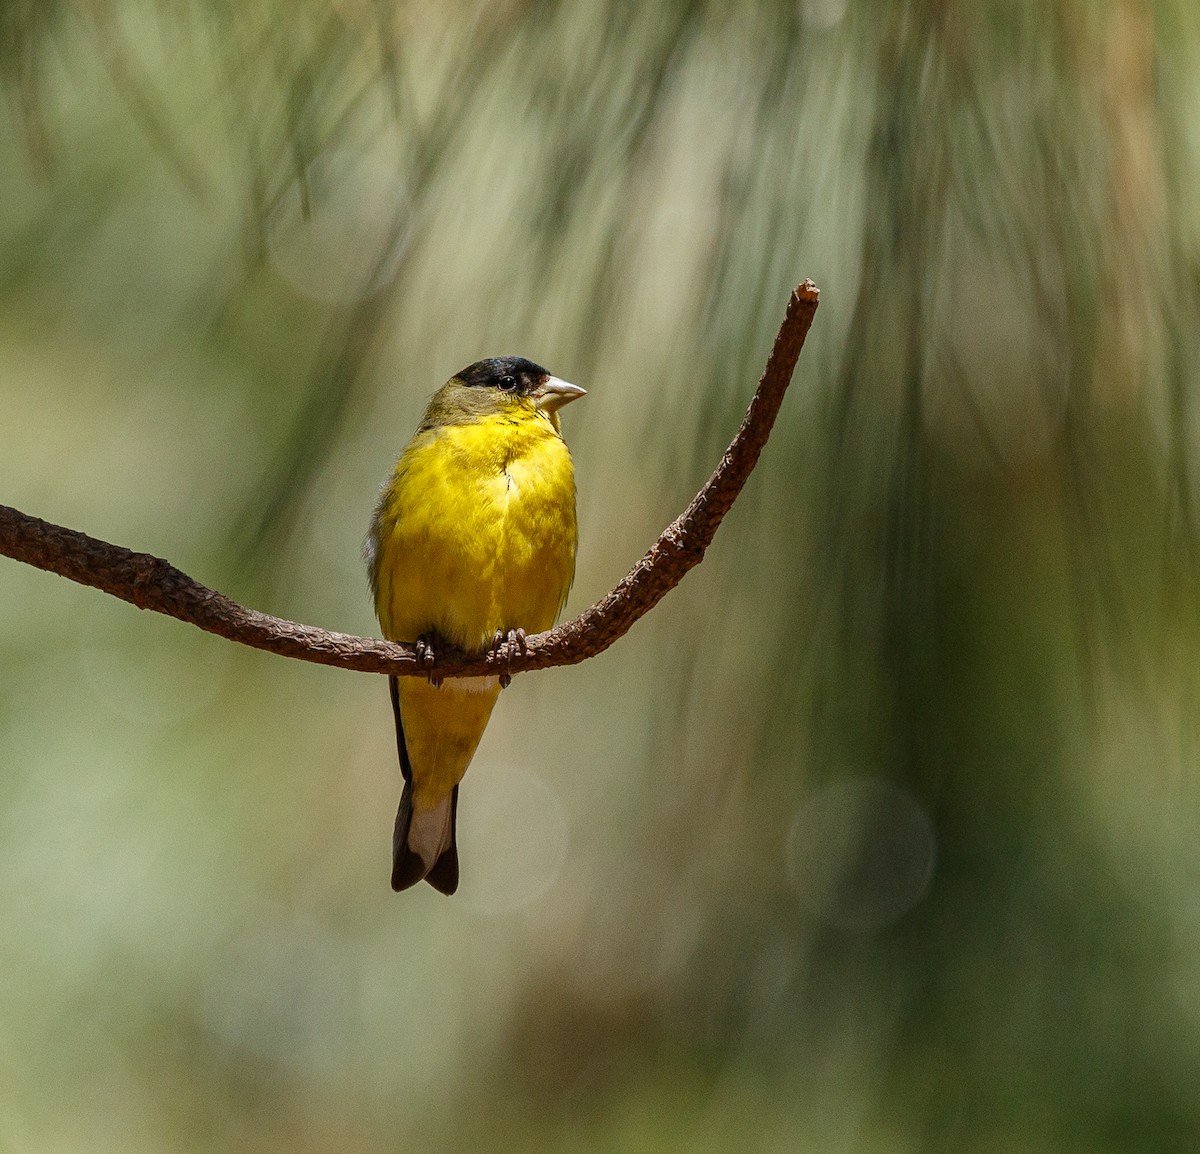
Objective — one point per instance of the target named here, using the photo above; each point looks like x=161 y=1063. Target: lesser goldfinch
x=473 y=543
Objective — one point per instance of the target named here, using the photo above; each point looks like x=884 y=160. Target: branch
x=152 y=583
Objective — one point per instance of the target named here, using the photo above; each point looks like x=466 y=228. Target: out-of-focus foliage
x=882 y=833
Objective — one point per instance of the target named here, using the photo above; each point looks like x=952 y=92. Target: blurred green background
x=881 y=834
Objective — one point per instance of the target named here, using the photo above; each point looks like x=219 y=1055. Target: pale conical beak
x=555 y=393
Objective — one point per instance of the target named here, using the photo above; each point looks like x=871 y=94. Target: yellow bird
x=472 y=543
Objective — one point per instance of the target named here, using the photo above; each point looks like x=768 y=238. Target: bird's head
x=500 y=385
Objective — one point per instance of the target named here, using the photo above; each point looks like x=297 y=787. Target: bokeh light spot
x=512 y=835
x=860 y=853
x=823 y=14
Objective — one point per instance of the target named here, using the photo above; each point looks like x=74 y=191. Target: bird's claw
x=502 y=648
x=425 y=655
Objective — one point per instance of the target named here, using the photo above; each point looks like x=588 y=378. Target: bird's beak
x=553 y=394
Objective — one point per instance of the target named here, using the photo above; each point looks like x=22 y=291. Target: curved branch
x=152 y=583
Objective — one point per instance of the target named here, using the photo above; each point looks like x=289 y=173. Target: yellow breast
x=476 y=531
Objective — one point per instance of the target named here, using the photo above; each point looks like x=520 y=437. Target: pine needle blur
x=881 y=833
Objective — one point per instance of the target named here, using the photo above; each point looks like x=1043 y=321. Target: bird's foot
x=502 y=648
x=425 y=655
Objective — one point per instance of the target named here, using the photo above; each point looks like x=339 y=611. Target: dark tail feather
x=432 y=831
x=444 y=875
x=408 y=868
x=401 y=745
x=435 y=827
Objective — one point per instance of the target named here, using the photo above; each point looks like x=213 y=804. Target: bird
x=472 y=544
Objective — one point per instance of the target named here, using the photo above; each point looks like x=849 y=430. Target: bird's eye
x=507 y=383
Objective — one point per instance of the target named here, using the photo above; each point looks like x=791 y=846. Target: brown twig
x=151 y=583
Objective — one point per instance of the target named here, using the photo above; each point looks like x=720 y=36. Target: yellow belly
x=475 y=533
